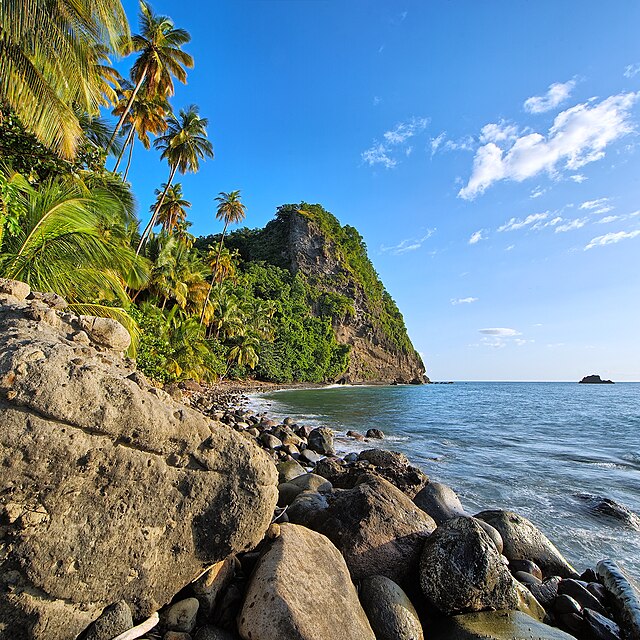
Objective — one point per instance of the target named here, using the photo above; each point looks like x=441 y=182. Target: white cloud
x=376 y=100
x=570 y=225
x=394 y=143
x=578 y=177
x=408 y=245
x=476 y=236
x=599 y=203
x=608 y=219
x=516 y=223
x=611 y=238
x=437 y=142
x=463 y=144
x=632 y=70
x=405 y=130
x=578 y=136
x=469 y=300
x=379 y=154
x=498 y=132
x=500 y=331
x=558 y=92
x=511 y=247
x=537 y=192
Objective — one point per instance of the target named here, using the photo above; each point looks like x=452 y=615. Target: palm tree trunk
x=124 y=148
x=126 y=171
x=214 y=274
x=127 y=108
x=151 y=224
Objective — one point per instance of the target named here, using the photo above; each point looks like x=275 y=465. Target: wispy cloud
x=500 y=337
x=578 y=136
x=500 y=331
x=537 y=192
x=601 y=205
x=557 y=93
x=376 y=100
x=394 y=143
x=578 y=177
x=571 y=225
x=476 y=236
x=632 y=70
x=530 y=221
x=408 y=245
x=612 y=238
x=609 y=219
x=437 y=142
x=468 y=300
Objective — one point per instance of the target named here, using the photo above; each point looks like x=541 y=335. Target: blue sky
x=487 y=152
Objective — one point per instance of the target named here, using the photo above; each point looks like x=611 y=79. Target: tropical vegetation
x=202 y=308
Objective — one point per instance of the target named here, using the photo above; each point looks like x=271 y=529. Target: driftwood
x=141 y=629
x=625 y=594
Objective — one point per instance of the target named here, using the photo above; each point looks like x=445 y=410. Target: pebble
x=181 y=616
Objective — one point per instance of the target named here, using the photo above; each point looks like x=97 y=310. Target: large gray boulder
x=461 y=571
x=301 y=590
x=440 y=502
x=391 y=614
x=110 y=490
x=377 y=528
x=495 y=625
x=522 y=540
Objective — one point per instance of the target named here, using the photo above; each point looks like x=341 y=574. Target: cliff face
x=333 y=258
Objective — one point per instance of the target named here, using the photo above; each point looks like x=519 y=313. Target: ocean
x=549 y=451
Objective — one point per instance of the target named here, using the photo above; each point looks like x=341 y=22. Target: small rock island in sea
x=594 y=379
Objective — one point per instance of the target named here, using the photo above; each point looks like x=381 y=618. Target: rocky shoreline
x=128 y=511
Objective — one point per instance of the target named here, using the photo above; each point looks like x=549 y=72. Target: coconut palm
x=173 y=211
x=161 y=58
x=72 y=240
x=183 y=146
x=244 y=351
x=231 y=210
x=146 y=115
x=51 y=62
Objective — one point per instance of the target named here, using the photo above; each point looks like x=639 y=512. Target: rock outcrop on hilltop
x=309 y=241
x=110 y=490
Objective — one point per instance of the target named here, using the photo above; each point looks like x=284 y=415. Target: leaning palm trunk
x=124 y=147
x=126 y=171
x=154 y=215
x=214 y=274
x=125 y=113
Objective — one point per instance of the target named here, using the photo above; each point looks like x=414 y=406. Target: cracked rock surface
x=109 y=490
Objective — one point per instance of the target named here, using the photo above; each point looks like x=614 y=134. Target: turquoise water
x=528 y=447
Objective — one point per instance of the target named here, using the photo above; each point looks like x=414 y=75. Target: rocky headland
x=129 y=511
x=595 y=379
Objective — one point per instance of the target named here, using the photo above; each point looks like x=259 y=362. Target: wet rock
x=181 y=616
x=384 y=458
x=527 y=566
x=601 y=627
x=440 y=502
x=526 y=578
x=546 y=592
x=377 y=528
x=625 y=595
x=212 y=633
x=270 y=442
x=319 y=605
x=493 y=533
x=310 y=456
x=461 y=571
x=355 y=435
x=390 y=612
x=566 y=604
x=522 y=540
x=375 y=433
x=113 y=621
x=495 y=625
x=581 y=595
x=609 y=508
x=320 y=440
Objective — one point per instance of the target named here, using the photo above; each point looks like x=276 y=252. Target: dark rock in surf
x=609 y=508
x=594 y=379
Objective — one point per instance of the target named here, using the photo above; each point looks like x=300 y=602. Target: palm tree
x=51 y=62
x=161 y=57
x=146 y=115
x=244 y=351
x=72 y=240
x=173 y=210
x=231 y=210
x=183 y=145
